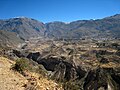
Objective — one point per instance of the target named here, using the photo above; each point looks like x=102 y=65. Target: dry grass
x=11 y=80
x=110 y=65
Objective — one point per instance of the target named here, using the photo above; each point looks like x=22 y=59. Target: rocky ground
x=12 y=80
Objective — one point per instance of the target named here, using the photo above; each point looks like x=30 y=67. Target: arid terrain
x=73 y=65
x=12 y=80
x=80 y=55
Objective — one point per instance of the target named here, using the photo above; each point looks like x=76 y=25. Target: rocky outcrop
x=61 y=69
x=21 y=53
x=34 y=56
x=101 y=78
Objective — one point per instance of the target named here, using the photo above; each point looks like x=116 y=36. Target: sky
x=59 y=10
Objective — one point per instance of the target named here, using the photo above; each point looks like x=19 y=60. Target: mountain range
x=24 y=28
x=106 y=27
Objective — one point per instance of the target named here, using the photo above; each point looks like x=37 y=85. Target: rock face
x=34 y=56
x=101 y=78
x=62 y=70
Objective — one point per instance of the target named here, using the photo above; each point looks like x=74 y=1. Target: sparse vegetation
x=24 y=64
x=21 y=65
x=71 y=85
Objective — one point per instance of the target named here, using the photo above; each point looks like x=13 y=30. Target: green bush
x=24 y=64
x=21 y=65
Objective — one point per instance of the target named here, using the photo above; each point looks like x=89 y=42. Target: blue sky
x=59 y=10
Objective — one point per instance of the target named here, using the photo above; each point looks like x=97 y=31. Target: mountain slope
x=24 y=27
x=9 y=38
x=11 y=80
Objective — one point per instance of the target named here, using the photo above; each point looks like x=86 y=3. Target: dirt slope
x=11 y=80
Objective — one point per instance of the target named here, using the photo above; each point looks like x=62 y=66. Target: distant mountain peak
x=116 y=16
x=21 y=18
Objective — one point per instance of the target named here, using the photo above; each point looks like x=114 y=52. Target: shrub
x=24 y=64
x=21 y=65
